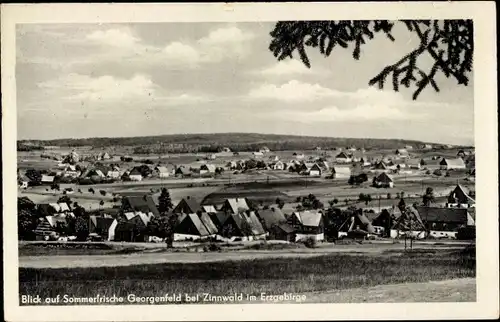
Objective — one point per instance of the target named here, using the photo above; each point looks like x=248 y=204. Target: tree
x=81 y=228
x=55 y=187
x=64 y=199
x=422 y=162
x=449 y=43
x=101 y=203
x=402 y=204
x=91 y=190
x=164 y=201
x=163 y=227
x=368 y=199
x=26 y=224
x=102 y=192
x=428 y=197
x=389 y=196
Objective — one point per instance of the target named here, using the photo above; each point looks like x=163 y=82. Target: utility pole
x=378 y=203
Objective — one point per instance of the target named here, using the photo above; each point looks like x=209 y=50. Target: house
x=445 y=222
x=282 y=231
x=409 y=223
x=383 y=180
x=190 y=227
x=103 y=226
x=264 y=149
x=235 y=205
x=414 y=164
x=323 y=165
x=257 y=154
x=342 y=157
x=219 y=218
x=46 y=179
x=426 y=147
x=274 y=158
x=187 y=205
x=340 y=171
x=132 y=227
x=183 y=171
x=226 y=150
x=207 y=169
x=462 y=154
x=271 y=217
x=244 y=225
x=311 y=169
x=135 y=175
x=458 y=198
x=209 y=224
x=279 y=166
x=408 y=147
x=307 y=224
x=144 y=203
x=211 y=156
x=382 y=166
x=402 y=153
x=452 y=164
x=161 y=172
x=299 y=156
x=71 y=171
x=357 y=225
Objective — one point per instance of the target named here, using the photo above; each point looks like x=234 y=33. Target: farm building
x=342 y=157
x=144 y=203
x=190 y=227
x=445 y=222
x=383 y=180
x=187 y=205
x=235 y=205
x=244 y=225
x=207 y=168
x=458 y=198
x=414 y=164
x=161 y=172
x=282 y=232
x=311 y=169
x=270 y=217
x=183 y=171
x=47 y=179
x=452 y=164
x=103 y=226
x=135 y=175
x=409 y=223
x=279 y=165
x=209 y=224
x=402 y=153
x=357 y=225
x=307 y=224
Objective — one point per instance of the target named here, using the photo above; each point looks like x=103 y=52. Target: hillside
x=235 y=141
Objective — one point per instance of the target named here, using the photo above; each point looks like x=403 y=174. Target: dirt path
x=153 y=256
x=455 y=290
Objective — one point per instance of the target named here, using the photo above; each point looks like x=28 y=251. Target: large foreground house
x=307 y=224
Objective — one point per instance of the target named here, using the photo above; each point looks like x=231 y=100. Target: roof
x=235 y=204
x=209 y=224
x=444 y=215
x=135 y=172
x=219 y=217
x=209 y=167
x=272 y=217
x=342 y=155
x=187 y=205
x=202 y=230
x=162 y=169
x=144 y=203
x=255 y=224
x=309 y=218
x=381 y=166
x=129 y=215
x=209 y=208
x=286 y=228
x=46 y=178
x=459 y=162
x=384 y=177
x=462 y=196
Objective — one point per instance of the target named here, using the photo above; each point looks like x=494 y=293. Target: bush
x=310 y=242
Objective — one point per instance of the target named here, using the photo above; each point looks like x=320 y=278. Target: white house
x=207 y=168
x=135 y=175
x=447 y=164
x=342 y=157
x=161 y=172
x=279 y=165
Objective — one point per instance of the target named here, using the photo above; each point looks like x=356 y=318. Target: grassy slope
x=322 y=273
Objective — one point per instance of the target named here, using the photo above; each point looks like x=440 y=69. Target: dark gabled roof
x=104 y=223
x=384 y=177
x=187 y=205
x=272 y=217
x=144 y=203
x=219 y=218
x=461 y=196
x=286 y=228
x=444 y=215
x=196 y=223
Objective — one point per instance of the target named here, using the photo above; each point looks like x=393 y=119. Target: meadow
x=277 y=275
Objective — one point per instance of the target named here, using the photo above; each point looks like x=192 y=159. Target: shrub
x=310 y=242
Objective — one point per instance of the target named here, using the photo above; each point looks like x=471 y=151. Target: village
x=315 y=196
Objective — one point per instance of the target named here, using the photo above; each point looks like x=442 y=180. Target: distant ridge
x=235 y=141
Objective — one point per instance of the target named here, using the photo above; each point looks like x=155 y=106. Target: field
x=326 y=273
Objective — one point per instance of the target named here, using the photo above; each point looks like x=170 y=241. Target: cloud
x=181 y=53
x=104 y=88
x=292 y=91
x=365 y=112
x=226 y=35
x=285 y=68
x=113 y=37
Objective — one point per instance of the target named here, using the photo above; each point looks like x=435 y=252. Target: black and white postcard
x=244 y=161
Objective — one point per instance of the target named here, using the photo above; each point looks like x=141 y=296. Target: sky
x=115 y=80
